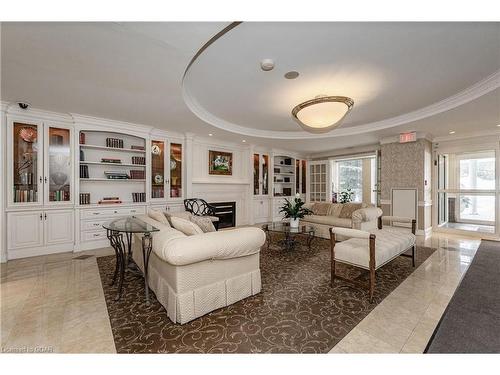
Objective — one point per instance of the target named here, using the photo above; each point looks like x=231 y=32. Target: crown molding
x=469 y=135
x=475 y=91
x=12 y=109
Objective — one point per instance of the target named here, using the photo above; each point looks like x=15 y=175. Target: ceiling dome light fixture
x=323 y=113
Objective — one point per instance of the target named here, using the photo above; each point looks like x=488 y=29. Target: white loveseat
x=194 y=275
x=351 y=215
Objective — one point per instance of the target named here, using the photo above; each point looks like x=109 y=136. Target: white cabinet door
x=25 y=229
x=261 y=210
x=58 y=227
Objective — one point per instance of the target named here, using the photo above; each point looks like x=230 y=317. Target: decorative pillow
x=348 y=209
x=182 y=214
x=158 y=216
x=185 y=226
x=204 y=223
x=334 y=209
x=321 y=209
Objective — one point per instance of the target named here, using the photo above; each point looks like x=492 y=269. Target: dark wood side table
x=127 y=226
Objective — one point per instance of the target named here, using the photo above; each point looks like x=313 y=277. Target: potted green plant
x=345 y=196
x=295 y=210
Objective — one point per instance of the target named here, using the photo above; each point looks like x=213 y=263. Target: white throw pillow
x=185 y=226
x=204 y=223
x=158 y=216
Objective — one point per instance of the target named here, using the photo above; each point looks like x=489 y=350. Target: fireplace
x=226 y=212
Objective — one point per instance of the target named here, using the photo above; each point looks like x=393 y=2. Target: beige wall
x=408 y=165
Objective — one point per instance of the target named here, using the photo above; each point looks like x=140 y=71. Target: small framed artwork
x=220 y=163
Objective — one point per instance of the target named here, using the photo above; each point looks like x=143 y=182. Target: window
x=477 y=171
x=350 y=176
x=357 y=174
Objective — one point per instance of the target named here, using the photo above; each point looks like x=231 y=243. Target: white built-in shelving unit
x=97 y=184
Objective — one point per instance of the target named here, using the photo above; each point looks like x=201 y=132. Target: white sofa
x=326 y=215
x=194 y=275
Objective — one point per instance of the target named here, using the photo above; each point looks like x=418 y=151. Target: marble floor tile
x=57 y=301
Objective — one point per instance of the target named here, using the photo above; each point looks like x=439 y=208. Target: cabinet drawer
x=93 y=236
x=92 y=225
x=110 y=212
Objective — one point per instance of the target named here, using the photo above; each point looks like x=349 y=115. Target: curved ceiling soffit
x=471 y=93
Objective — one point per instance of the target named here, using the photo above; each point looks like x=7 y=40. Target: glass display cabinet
x=58 y=165
x=26 y=173
x=175 y=170
x=260 y=174
x=158 y=180
x=166 y=170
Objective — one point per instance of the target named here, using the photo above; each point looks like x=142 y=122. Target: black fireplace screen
x=226 y=212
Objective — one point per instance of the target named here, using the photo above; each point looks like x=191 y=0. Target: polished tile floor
x=55 y=303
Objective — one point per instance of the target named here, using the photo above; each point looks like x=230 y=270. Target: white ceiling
x=133 y=72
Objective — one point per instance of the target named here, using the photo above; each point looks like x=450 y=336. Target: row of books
x=137 y=174
x=84 y=198
x=139 y=160
x=84 y=171
x=158 y=192
x=111 y=160
x=25 y=195
x=59 y=196
x=110 y=200
x=114 y=142
x=138 y=197
x=116 y=175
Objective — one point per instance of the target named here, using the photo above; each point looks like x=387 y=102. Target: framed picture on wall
x=220 y=163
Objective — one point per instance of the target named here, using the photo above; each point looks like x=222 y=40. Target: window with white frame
x=357 y=174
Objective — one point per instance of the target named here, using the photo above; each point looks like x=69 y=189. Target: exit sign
x=407 y=137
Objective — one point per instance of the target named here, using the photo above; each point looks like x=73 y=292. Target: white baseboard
x=33 y=252
x=426 y=233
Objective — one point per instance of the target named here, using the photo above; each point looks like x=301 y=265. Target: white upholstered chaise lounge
x=371 y=250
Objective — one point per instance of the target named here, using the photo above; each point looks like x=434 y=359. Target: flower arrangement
x=294 y=210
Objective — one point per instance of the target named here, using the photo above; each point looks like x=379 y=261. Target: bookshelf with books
x=111 y=165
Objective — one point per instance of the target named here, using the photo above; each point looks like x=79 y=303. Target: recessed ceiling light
x=244 y=140
x=267 y=65
x=210 y=134
x=452 y=131
x=291 y=74
x=498 y=125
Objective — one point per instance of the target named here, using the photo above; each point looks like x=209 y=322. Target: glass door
x=175 y=170
x=256 y=174
x=467 y=191
x=26 y=164
x=157 y=169
x=265 y=174
x=58 y=175
x=303 y=177
x=260 y=174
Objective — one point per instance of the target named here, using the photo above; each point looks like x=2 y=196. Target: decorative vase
x=294 y=223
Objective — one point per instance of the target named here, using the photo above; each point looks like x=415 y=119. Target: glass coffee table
x=123 y=249
x=289 y=232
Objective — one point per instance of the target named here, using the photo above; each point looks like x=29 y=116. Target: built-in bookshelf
x=112 y=168
x=283 y=176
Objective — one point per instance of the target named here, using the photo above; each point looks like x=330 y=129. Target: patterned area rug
x=296 y=312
